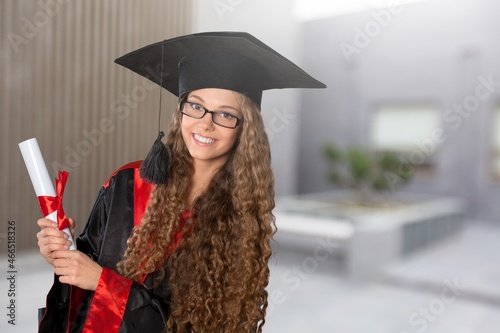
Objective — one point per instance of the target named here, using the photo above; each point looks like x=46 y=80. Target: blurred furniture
x=367 y=238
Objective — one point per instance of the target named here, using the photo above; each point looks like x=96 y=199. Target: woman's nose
x=206 y=122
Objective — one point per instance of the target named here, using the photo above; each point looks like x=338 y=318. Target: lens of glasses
x=220 y=118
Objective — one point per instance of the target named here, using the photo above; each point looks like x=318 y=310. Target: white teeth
x=202 y=139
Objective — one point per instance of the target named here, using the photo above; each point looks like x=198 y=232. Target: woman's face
x=208 y=143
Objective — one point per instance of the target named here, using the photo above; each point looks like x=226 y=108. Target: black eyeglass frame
x=181 y=108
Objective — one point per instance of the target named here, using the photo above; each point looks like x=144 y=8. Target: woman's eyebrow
x=195 y=96
x=201 y=100
x=229 y=107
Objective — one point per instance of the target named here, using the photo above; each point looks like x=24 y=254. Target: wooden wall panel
x=59 y=84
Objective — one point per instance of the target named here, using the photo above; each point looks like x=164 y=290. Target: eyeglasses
x=221 y=118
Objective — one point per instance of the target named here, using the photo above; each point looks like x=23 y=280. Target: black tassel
x=156 y=166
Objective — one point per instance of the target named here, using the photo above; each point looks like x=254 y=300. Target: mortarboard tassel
x=156 y=166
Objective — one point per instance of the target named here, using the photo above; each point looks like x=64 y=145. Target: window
x=411 y=130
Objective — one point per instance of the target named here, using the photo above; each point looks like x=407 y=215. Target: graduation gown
x=118 y=304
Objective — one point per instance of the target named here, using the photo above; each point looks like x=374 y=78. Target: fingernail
x=66 y=236
x=54 y=225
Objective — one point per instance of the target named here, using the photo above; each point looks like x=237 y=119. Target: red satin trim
x=109 y=303
x=49 y=204
x=131 y=165
x=111 y=296
x=142 y=190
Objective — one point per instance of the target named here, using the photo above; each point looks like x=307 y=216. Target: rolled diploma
x=40 y=177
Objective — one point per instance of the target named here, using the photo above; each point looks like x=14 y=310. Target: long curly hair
x=219 y=269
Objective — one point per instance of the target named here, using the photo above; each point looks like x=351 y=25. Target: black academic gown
x=118 y=304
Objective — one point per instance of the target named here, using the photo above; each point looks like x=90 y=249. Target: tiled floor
x=451 y=287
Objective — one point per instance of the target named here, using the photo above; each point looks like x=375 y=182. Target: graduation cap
x=235 y=61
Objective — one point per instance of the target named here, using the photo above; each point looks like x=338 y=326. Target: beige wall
x=60 y=85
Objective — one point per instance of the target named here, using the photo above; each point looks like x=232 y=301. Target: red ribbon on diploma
x=50 y=204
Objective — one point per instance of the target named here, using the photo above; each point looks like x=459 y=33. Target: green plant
x=365 y=171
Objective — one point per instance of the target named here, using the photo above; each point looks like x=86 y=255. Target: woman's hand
x=51 y=239
x=72 y=266
x=76 y=268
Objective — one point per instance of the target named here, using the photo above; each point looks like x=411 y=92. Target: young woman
x=189 y=254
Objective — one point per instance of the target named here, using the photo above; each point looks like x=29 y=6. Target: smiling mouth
x=203 y=139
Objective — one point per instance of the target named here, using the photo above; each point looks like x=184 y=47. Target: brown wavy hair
x=219 y=270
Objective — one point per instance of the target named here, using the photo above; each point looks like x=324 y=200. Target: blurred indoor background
x=418 y=79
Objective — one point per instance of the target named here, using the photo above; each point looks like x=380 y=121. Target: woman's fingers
x=46 y=223
x=49 y=235
x=54 y=243
x=77 y=269
x=51 y=239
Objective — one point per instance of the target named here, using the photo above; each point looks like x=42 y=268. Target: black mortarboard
x=228 y=60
